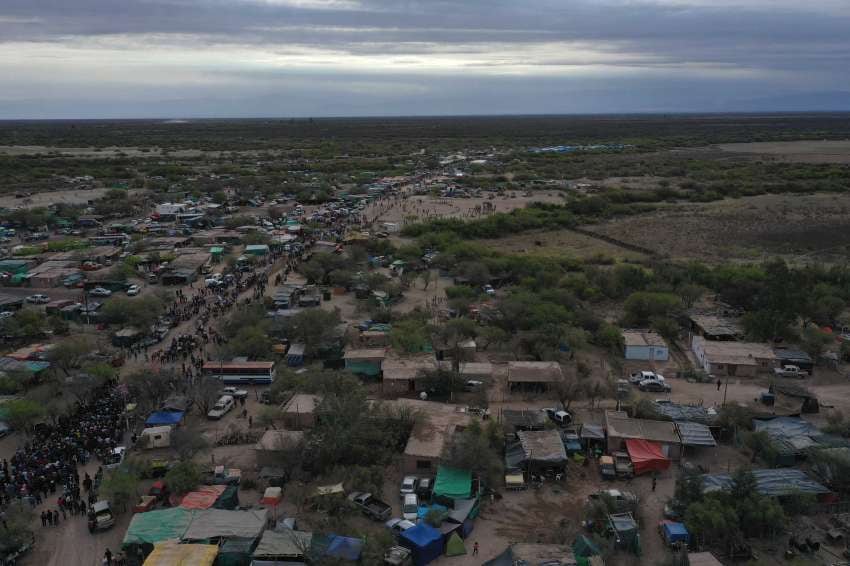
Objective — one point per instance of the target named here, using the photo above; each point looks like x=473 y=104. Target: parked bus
x=259 y=373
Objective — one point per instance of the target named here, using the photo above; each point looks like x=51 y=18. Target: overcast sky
x=235 y=58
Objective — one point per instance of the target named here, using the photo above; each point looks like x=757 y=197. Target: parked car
x=100 y=292
x=410 y=507
x=100 y=517
x=655 y=385
x=562 y=418
x=235 y=393
x=606 y=468
x=133 y=290
x=489 y=290
x=371 y=506
x=221 y=408
x=38 y=299
x=408 y=486
x=398 y=526
x=623 y=465
x=6 y=314
x=424 y=489
x=790 y=371
x=115 y=458
x=623 y=500
x=472 y=385
x=638 y=376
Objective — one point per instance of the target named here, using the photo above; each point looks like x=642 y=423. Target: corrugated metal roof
x=695 y=434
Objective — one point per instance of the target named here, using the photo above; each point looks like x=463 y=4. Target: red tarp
x=203 y=497
x=646 y=456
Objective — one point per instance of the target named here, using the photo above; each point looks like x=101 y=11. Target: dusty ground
x=560 y=243
x=53 y=197
x=420 y=207
x=805 y=151
x=799 y=228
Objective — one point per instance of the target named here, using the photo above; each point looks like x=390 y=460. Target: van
x=221 y=408
x=410 y=507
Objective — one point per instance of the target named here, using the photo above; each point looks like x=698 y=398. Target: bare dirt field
x=419 y=208
x=799 y=228
x=73 y=196
x=803 y=151
x=560 y=243
x=96 y=152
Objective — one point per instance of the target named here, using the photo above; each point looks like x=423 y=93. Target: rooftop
x=408 y=368
x=279 y=440
x=715 y=325
x=734 y=352
x=619 y=425
x=365 y=354
x=302 y=403
x=534 y=372
x=643 y=338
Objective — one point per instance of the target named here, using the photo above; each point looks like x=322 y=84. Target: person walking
x=719 y=383
x=654 y=481
x=475 y=549
x=108 y=557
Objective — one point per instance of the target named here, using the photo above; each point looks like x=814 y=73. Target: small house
x=365 y=361
x=645 y=345
x=621 y=428
x=155 y=437
x=274 y=444
x=257 y=250
x=299 y=412
x=533 y=375
x=733 y=359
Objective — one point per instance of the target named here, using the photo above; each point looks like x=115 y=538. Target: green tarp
x=453 y=483
x=155 y=526
x=583 y=546
x=229 y=498
x=363 y=368
x=235 y=552
x=455 y=546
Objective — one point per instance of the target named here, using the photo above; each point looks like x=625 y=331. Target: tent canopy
x=158 y=525
x=164 y=418
x=218 y=523
x=646 y=456
x=285 y=544
x=455 y=546
x=674 y=532
x=335 y=546
x=425 y=541
x=171 y=552
x=453 y=483
x=202 y=498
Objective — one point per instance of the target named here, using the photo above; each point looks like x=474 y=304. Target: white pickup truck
x=790 y=371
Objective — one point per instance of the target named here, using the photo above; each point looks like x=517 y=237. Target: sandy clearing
x=806 y=151
x=71 y=196
x=559 y=243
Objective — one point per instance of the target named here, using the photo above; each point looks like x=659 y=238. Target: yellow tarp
x=170 y=553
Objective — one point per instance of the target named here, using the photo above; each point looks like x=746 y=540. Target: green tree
x=121 y=487
x=183 y=477
x=410 y=335
x=139 y=312
x=473 y=450
x=315 y=328
x=454 y=334
x=70 y=353
x=22 y=413
x=250 y=341
x=640 y=307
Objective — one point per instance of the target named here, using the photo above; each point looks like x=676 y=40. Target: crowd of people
x=45 y=470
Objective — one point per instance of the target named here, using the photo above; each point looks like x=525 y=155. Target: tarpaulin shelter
x=156 y=526
x=172 y=553
x=229 y=499
x=584 y=547
x=646 y=456
x=235 y=552
x=776 y=482
x=464 y=512
x=674 y=533
x=335 y=546
x=159 y=418
x=283 y=545
x=454 y=546
x=424 y=510
x=453 y=483
x=202 y=498
x=424 y=541
x=218 y=523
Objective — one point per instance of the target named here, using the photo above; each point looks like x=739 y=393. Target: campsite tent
x=646 y=456
x=218 y=523
x=162 y=418
x=229 y=498
x=464 y=512
x=454 y=547
x=171 y=552
x=335 y=546
x=674 y=533
x=284 y=545
x=425 y=541
x=156 y=526
x=235 y=552
x=453 y=483
x=202 y=498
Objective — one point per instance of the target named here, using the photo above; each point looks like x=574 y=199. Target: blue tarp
x=346 y=548
x=675 y=532
x=423 y=510
x=159 y=418
x=424 y=541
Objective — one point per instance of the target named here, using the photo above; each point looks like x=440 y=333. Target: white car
x=398 y=526
x=408 y=485
x=489 y=290
x=235 y=393
x=100 y=292
x=6 y=314
x=133 y=290
x=38 y=299
x=639 y=376
x=221 y=408
x=115 y=458
x=410 y=507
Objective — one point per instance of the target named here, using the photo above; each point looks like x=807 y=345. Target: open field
x=421 y=208
x=74 y=196
x=560 y=243
x=799 y=228
x=804 y=151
